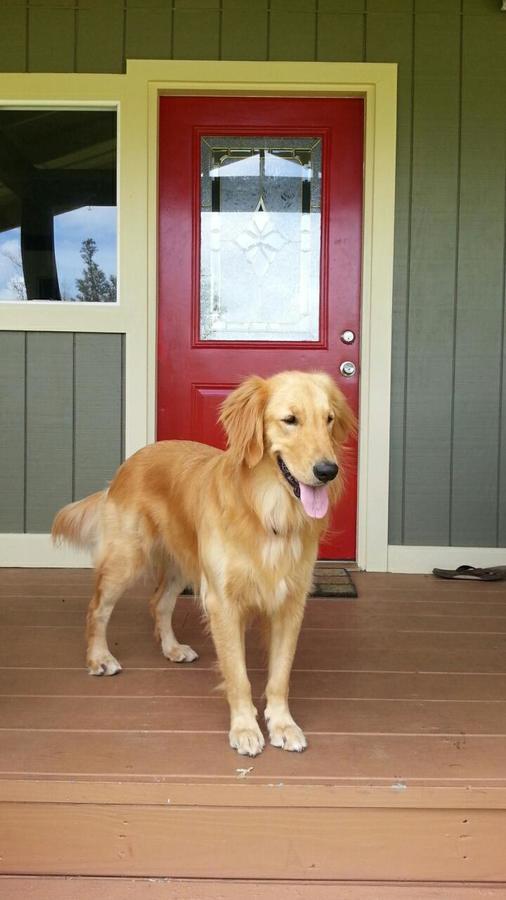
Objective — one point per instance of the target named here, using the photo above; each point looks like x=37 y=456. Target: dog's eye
x=290 y=420
x=330 y=419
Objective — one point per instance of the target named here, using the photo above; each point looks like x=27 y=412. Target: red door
x=260 y=228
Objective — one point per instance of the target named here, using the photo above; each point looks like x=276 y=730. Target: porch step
x=22 y=888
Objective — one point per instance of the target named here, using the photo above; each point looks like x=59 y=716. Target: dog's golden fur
x=230 y=524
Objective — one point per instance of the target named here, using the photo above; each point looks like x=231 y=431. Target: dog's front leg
x=284 y=632
x=227 y=628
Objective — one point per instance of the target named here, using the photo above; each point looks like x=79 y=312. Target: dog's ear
x=242 y=416
x=345 y=422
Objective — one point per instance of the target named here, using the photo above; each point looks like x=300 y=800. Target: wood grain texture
x=33 y=888
x=133 y=775
x=227 y=843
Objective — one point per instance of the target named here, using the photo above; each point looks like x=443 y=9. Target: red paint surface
x=193 y=376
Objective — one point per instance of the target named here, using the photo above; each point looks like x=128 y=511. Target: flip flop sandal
x=470 y=573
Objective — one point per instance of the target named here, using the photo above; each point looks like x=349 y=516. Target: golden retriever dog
x=241 y=525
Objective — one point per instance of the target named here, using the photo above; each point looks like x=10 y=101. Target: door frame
x=135 y=95
x=377 y=83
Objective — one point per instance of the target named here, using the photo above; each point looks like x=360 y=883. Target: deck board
x=168 y=889
x=402 y=693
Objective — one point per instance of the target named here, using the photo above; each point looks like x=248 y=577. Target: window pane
x=260 y=238
x=58 y=205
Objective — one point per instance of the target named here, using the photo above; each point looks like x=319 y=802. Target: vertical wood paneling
x=49 y=427
x=196 y=29
x=292 y=33
x=98 y=411
x=100 y=36
x=12 y=431
x=340 y=31
x=480 y=300
x=501 y=462
x=428 y=410
x=244 y=29
x=13 y=36
x=51 y=33
x=148 y=29
x=390 y=37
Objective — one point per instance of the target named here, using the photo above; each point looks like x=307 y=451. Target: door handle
x=347 y=368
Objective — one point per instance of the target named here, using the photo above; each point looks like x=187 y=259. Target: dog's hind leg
x=114 y=574
x=162 y=605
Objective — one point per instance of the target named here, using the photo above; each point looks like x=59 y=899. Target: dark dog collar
x=292 y=481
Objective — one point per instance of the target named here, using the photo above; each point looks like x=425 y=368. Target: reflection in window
x=260 y=238
x=58 y=205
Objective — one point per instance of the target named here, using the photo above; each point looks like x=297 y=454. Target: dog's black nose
x=325 y=470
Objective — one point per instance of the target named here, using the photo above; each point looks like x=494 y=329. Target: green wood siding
x=12 y=431
x=61 y=422
x=448 y=449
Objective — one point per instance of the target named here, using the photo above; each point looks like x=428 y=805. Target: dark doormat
x=332 y=581
x=329 y=581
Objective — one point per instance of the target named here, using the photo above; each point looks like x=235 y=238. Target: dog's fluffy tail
x=78 y=523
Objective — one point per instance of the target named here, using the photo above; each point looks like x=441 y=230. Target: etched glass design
x=260 y=239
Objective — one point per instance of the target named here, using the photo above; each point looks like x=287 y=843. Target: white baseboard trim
x=422 y=560
x=38 y=551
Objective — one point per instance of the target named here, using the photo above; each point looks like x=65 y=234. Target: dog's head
x=300 y=421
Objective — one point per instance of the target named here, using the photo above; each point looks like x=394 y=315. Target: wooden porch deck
x=402 y=694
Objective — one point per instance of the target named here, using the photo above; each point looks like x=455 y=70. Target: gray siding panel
x=292 y=32
x=244 y=29
x=98 y=411
x=390 y=36
x=341 y=31
x=478 y=340
x=432 y=280
x=61 y=422
x=13 y=37
x=12 y=431
x=49 y=427
x=196 y=29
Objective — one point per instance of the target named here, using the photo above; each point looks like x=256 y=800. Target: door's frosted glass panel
x=260 y=239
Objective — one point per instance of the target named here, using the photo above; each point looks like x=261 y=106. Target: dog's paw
x=180 y=653
x=287 y=735
x=106 y=664
x=247 y=740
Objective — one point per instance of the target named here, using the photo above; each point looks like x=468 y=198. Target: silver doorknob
x=348 y=336
x=347 y=368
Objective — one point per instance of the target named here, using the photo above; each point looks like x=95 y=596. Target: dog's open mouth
x=314 y=499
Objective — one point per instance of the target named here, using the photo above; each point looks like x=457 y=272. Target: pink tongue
x=315 y=500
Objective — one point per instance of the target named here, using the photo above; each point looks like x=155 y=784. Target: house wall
x=448 y=457
x=61 y=422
